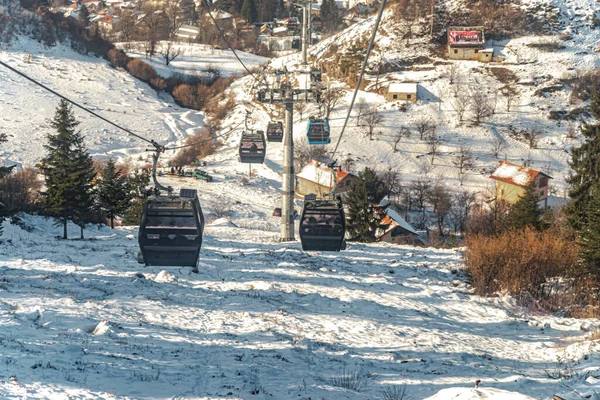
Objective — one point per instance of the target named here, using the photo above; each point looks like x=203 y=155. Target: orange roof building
x=511 y=180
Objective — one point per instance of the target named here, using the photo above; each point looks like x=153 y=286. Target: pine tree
x=589 y=237
x=526 y=211
x=69 y=171
x=84 y=16
x=363 y=218
x=584 y=178
x=114 y=194
x=248 y=11
x=137 y=185
x=374 y=185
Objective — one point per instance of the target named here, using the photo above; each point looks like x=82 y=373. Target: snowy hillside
x=541 y=79
x=263 y=320
x=25 y=110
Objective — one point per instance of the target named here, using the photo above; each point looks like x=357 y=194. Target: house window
x=347 y=183
x=455 y=51
x=395 y=97
x=543 y=181
x=476 y=51
x=408 y=96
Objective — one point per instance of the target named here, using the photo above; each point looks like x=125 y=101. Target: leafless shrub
x=401 y=133
x=463 y=160
x=396 y=393
x=350 y=380
x=433 y=146
x=221 y=207
x=200 y=145
x=20 y=191
x=498 y=145
x=453 y=72
x=372 y=120
x=459 y=103
x=479 y=106
x=117 y=58
x=551 y=43
x=425 y=127
x=303 y=153
x=361 y=107
x=584 y=84
x=532 y=136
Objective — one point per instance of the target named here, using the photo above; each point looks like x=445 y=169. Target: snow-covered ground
x=194 y=59
x=81 y=319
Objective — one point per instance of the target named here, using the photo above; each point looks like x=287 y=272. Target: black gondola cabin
x=253 y=147
x=275 y=131
x=322 y=224
x=171 y=229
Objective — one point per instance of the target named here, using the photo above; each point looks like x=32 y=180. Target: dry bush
x=21 y=191
x=186 y=96
x=201 y=144
x=118 y=58
x=141 y=70
x=158 y=84
x=518 y=261
x=584 y=84
x=504 y=75
x=551 y=43
x=219 y=106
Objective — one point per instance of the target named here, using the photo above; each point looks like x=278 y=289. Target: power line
x=362 y=72
x=152 y=142
x=205 y=140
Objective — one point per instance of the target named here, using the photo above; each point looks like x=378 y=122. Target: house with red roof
x=318 y=178
x=397 y=230
x=512 y=179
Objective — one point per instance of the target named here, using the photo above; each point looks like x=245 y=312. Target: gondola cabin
x=322 y=224
x=275 y=131
x=253 y=147
x=317 y=131
x=171 y=229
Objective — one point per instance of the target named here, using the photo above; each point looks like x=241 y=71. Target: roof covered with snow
x=320 y=174
x=515 y=174
x=402 y=88
x=393 y=219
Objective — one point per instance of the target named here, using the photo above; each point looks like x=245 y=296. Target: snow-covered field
x=194 y=59
x=81 y=319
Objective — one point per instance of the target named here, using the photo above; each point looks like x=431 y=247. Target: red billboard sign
x=470 y=37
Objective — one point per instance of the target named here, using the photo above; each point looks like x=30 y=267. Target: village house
x=398 y=231
x=467 y=43
x=511 y=180
x=402 y=91
x=187 y=32
x=317 y=178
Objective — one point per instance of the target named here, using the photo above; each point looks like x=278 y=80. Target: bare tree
x=372 y=120
x=498 y=146
x=441 y=201
x=461 y=210
x=403 y=132
x=492 y=101
x=153 y=27
x=425 y=127
x=433 y=145
x=460 y=103
x=300 y=107
x=361 y=107
x=168 y=53
x=532 y=136
x=479 y=106
x=419 y=190
x=303 y=153
x=463 y=160
x=510 y=95
x=331 y=97
x=453 y=72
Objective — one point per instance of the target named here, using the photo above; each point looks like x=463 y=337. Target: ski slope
x=82 y=319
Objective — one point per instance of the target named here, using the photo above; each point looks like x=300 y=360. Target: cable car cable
x=205 y=140
x=152 y=142
x=362 y=72
x=220 y=30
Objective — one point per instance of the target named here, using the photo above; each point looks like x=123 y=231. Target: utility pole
x=288 y=177
x=304 y=36
x=309 y=23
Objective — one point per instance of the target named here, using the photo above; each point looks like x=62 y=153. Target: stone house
x=467 y=43
x=402 y=91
